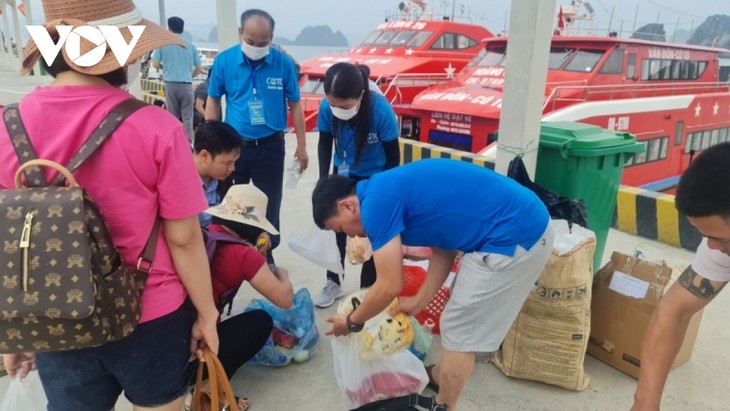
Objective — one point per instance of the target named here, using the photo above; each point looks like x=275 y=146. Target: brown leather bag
x=221 y=394
x=64 y=283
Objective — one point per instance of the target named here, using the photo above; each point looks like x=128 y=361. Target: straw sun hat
x=246 y=204
x=119 y=13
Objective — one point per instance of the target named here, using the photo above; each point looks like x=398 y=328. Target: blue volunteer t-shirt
x=383 y=128
x=211 y=195
x=452 y=205
x=273 y=79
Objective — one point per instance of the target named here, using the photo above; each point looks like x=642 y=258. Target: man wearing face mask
x=179 y=66
x=362 y=126
x=257 y=80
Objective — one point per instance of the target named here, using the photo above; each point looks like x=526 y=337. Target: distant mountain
x=213 y=35
x=309 y=36
x=653 y=31
x=714 y=31
x=316 y=36
x=681 y=36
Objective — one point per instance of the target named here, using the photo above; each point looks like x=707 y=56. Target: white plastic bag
x=375 y=364
x=25 y=394
x=366 y=379
x=319 y=247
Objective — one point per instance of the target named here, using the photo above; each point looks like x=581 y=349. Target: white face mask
x=345 y=114
x=254 y=53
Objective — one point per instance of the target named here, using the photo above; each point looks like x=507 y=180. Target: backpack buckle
x=144 y=265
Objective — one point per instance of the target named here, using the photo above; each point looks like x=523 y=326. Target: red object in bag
x=283 y=338
x=384 y=385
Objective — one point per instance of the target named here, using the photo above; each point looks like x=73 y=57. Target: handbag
x=220 y=387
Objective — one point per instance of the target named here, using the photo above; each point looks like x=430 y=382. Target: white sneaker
x=329 y=294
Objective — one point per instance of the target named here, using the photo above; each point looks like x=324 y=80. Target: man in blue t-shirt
x=450 y=206
x=258 y=81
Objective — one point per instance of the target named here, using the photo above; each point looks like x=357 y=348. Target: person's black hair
x=176 y=24
x=346 y=81
x=247 y=232
x=327 y=193
x=257 y=12
x=704 y=188
x=115 y=78
x=216 y=137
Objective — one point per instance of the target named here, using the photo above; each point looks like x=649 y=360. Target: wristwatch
x=351 y=326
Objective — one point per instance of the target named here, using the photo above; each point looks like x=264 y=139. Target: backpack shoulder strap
x=212 y=238
x=23 y=149
x=116 y=116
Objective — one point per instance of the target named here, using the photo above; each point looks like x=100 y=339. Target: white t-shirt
x=711 y=264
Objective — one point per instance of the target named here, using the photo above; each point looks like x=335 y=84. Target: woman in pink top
x=144 y=170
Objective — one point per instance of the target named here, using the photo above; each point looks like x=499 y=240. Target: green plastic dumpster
x=582 y=161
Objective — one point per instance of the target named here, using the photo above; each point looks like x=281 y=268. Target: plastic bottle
x=294 y=171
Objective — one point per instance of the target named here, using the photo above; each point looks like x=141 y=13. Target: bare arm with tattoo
x=666 y=332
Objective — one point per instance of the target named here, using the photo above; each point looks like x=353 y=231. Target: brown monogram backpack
x=64 y=284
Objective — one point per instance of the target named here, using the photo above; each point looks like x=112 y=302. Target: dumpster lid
x=586 y=140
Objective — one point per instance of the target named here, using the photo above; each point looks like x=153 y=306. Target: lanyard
x=338 y=144
x=253 y=82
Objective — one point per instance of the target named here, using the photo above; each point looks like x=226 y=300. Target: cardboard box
x=626 y=292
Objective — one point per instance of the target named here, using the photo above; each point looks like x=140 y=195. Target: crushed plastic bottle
x=294 y=171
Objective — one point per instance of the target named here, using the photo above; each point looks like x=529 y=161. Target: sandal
x=242 y=402
x=431 y=382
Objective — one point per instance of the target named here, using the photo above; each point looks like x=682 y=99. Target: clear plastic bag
x=375 y=363
x=366 y=379
x=297 y=322
x=25 y=394
x=422 y=340
x=358 y=249
x=293 y=172
x=319 y=247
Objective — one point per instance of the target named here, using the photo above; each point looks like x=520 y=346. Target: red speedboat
x=405 y=56
x=673 y=97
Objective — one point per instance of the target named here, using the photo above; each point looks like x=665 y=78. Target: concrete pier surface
x=699 y=384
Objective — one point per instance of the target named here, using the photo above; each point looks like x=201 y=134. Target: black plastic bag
x=559 y=207
x=413 y=402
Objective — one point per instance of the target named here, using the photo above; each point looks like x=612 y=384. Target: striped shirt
x=178 y=63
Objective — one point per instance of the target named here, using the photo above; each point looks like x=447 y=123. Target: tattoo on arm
x=699 y=286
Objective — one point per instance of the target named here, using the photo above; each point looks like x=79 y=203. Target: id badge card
x=344 y=169
x=256 y=111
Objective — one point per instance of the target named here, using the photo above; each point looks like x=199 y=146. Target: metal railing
x=405 y=80
x=580 y=93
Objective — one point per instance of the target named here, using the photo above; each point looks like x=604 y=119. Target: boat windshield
x=585 y=61
x=371 y=38
x=397 y=38
x=313 y=86
x=401 y=38
x=489 y=57
x=558 y=56
x=420 y=38
x=384 y=38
